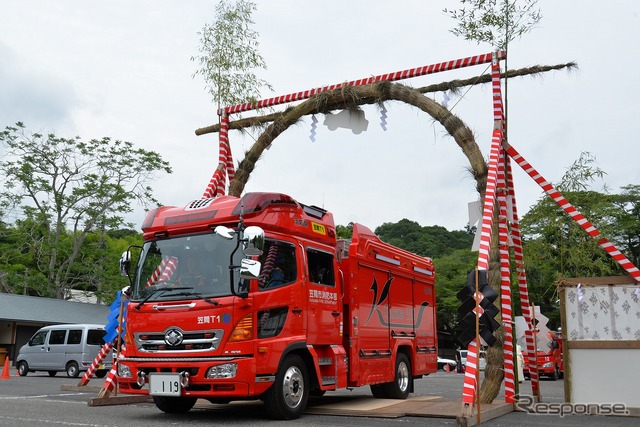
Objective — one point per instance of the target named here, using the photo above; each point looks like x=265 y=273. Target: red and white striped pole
x=523 y=288
x=470 y=378
x=505 y=286
x=96 y=362
x=394 y=76
x=575 y=214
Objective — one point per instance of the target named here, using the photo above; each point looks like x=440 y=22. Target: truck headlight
x=124 y=371
x=228 y=370
x=547 y=365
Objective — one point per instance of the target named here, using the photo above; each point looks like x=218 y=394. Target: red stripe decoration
x=156 y=274
x=496 y=89
x=505 y=286
x=268 y=265
x=112 y=377
x=575 y=215
x=96 y=362
x=217 y=184
x=489 y=201
x=169 y=268
x=224 y=141
x=470 y=374
x=523 y=288
x=398 y=75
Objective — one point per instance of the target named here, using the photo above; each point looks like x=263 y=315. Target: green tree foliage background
x=65 y=194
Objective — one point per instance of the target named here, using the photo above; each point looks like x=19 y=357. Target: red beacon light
x=254 y=202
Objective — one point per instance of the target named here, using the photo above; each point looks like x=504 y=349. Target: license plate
x=164 y=385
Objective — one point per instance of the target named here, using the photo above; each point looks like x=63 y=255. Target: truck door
x=424 y=319
x=279 y=298
x=324 y=313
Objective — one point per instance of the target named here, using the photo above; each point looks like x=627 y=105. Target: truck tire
x=23 y=368
x=554 y=376
x=174 y=405
x=287 y=398
x=399 y=389
x=378 y=391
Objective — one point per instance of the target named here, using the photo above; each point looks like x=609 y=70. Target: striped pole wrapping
x=523 y=288
x=169 y=269
x=217 y=184
x=96 y=362
x=112 y=377
x=470 y=373
x=489 y=201
x=210 y=191
x=156 y=274
x=268 y=265
x=575 y=215
x=496 y=89
x=224 y=146
x=224 y=155
x=505 y=286
x=395 y=76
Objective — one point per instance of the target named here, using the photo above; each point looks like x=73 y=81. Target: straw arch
x=351 y=97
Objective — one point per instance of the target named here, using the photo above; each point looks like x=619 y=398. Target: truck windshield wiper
x=155 y=290
x=198 y=295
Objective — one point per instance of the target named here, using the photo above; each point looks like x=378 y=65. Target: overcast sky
x=122 y=69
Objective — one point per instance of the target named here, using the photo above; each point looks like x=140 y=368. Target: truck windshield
x=199 y=263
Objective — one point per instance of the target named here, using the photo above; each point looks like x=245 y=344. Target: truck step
x=323 y=361
x=328 y=380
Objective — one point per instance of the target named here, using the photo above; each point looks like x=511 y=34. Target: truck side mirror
x=253 y=238
x=125 y=263
x=249 y=269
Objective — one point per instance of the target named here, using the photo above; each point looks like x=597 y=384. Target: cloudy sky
x=122 y=69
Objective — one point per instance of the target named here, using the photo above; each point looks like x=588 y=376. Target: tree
x=451 y=275
x=68 y=188
x=627 y=222
x=228 y=54
x=433 y=241
x=555 y=246
x=495 y=22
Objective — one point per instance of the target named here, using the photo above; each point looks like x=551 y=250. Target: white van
x=69 y=348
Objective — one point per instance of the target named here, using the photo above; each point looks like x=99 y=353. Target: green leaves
x=228 y=55
x=494 y=22
x=71 y=187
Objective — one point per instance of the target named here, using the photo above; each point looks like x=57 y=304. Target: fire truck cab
x=255 y=298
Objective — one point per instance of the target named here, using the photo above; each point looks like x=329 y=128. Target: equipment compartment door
x=324 y=312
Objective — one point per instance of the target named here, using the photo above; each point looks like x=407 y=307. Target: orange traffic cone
x=446 y=368
x=5 y=370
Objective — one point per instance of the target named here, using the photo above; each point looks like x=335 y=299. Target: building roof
x=20 y=308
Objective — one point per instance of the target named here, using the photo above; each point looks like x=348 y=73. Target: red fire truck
x=255 y=298
x=550 y=363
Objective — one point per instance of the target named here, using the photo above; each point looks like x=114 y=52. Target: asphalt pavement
x=40 y=400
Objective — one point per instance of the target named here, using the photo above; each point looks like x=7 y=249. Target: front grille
x=194 y=341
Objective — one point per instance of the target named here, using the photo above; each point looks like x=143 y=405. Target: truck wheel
x=399 y=389
x=554 y=376
x=287 y=398
x=174 y=405
x=378 y=391
x=72 y=370
x=23 y=368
